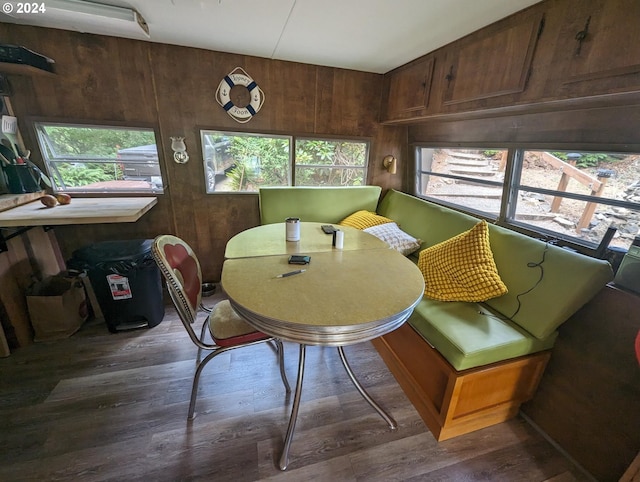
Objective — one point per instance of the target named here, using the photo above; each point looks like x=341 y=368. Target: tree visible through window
x=330 y=163
x=100 y=158
x=239 y=162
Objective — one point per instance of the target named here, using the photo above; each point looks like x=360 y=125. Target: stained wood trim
x=599 y=101
x=603 y=74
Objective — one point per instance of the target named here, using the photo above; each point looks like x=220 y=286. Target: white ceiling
x=367 y=35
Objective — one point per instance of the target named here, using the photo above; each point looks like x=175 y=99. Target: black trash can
x=126 y=281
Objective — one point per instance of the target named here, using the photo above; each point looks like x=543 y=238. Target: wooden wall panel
x=98 y=77
x=391 y=141
x=589 y=398
x=290 y=95
x=172 y=88
x=347 y=102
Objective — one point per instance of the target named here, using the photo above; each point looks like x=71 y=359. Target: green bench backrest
x=315 y=204
x=539 y=299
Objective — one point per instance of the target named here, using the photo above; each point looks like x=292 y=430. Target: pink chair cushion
x=179 y=259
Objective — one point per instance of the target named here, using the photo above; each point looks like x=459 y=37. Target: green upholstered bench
x=469 y=365
x=546 y=284
x=315 y=204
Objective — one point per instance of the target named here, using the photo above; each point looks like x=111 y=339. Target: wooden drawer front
x=505 y=383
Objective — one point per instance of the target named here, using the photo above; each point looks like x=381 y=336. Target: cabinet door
x=409 y=88
x=598 y=48
x=493 y=62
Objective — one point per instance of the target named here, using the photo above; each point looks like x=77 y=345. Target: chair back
x=181 y=270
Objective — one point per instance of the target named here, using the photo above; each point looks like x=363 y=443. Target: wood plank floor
x=113 y=407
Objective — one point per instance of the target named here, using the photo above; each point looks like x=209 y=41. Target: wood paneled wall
x=589 y=395
x=172 y=89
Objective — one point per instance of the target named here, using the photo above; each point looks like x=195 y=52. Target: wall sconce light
x=390 y=164
x=179 y=150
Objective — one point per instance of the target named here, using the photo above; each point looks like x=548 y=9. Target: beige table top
x=344 y=296
x=79 y=211
x=269 y=239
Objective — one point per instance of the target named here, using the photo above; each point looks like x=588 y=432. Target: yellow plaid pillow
x=462 y=268
x=364 y=219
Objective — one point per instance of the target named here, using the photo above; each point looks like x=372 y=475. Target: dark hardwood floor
x=101 y=406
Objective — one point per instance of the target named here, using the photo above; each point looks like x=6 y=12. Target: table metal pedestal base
x=284 y=459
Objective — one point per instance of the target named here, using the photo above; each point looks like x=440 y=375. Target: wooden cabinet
x=407 y=89
x=488 y=68
x=597 y=49
x=492 y=63
x=550 y=56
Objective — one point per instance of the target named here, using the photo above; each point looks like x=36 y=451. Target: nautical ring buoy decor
x=223 y=95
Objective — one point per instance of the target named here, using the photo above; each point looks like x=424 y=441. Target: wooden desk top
x=80 y=211
x=344 y=297
x=269 y=240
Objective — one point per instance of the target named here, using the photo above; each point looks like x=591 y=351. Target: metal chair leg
x=390 y=421
x=205 y=324
x=208 y=358
x=196 y=379
x=284 y=459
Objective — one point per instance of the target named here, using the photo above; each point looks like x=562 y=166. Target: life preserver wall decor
x=223 y=95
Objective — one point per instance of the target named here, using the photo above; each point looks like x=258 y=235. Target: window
x=330 y=163
x=241 y=162
x=236 y=162
x=472 y=178
x=574 y=196
x=100 y=158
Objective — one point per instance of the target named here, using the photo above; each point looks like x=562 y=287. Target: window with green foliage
x=88 y=158
x=330 y=163
x=240 y=162
x=237 y=162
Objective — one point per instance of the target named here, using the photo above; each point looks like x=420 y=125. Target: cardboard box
x=57 y=307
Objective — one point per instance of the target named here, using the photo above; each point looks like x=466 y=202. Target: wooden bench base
x=453 y=403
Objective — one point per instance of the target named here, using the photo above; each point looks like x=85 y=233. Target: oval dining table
x=343 y=296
